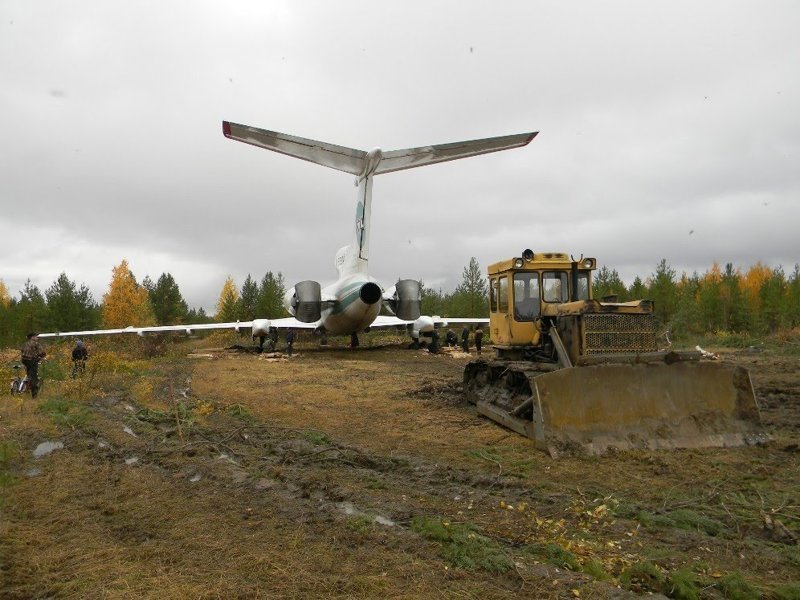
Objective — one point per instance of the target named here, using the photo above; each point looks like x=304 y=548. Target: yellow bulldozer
x=578 y=375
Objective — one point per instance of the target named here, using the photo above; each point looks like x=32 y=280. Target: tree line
x=756 y=301
x=66 y=306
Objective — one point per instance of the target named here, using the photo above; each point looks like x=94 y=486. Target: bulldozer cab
x=524 y=289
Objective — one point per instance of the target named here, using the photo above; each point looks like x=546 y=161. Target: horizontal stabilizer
x=328 y=155
x=355 y=162
x=397 y=160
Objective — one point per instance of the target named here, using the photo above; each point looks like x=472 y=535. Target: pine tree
x=70 y=308
x=687 y=316
x=663 y=291
x=735 y=308
x=249 y=299
x=434 y=302
x=169 y=307
x=773 y=294
x=126 y=303
x=608 y=283
x=228 y=303
x=470 y=298
x=710 y=301
x=638 y=290
x=793 y=298
x=270 y=296
x=31 y=310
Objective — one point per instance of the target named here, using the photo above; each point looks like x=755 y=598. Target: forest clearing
x=208 y=472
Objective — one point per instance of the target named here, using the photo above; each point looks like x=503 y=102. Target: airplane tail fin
x=364 y=165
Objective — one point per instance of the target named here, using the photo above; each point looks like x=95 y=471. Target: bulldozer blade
x=658 y=406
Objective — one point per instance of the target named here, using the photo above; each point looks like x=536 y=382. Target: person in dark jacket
x=451 y=339
x=478 y=338
x=32 y=354
x=289 y=341
x=465 y=338
x=79 y=355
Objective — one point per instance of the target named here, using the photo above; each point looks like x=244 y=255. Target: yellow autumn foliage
x=227 y=305
x=126 y=302
x=5 y=297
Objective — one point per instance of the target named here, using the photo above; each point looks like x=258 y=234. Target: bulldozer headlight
x=527 y=254
x=518 y=263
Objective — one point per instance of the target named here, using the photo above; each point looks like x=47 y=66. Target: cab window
x=493 y=295
x=526 y=296
x=583 y=286
x=502 y=294
x=555 y=286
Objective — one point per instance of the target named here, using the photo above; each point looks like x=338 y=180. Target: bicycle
x=20 y=385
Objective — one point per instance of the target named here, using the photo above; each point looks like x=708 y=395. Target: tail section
x=354 y=258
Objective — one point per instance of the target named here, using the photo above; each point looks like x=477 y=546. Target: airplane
x=352 y=304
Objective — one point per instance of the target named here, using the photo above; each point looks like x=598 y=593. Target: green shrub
x=682 y=519
x=734 y=586
x=682 y=584
x=462 y=546
x=65 y=412
x=789 y=591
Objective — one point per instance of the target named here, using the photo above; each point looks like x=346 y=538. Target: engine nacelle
x=304 y=301
x=260 y=327
x=405 y=299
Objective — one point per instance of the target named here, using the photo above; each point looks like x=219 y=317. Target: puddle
x=33 y=472
x=129 y=431
x=132 y=460
x=46 y=448
x=195 y=478
x=349 y=509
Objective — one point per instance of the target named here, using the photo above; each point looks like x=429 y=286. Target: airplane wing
x=283 y=323
x=425 y=321
x=322 y=153
x=396 y=160
x=188 y=328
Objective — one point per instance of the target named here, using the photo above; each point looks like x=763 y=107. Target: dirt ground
x=211 y=473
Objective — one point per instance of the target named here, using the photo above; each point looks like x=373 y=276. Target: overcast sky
x=667 y=130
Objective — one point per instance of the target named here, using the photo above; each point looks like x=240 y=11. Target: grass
x=65 y=412
x=735 y=587
x=790 y=591
x=462 y=546
x=266 y=523
x=7 y=479
x=682 y=519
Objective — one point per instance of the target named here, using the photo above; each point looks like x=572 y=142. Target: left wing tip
x=226 y=129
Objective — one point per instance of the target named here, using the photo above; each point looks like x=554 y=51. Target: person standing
x=478 y=338
x=289 y=341
x=79 y=355
x=32 y=354
x=465 y=338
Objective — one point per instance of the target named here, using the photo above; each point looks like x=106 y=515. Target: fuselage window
x=526 y=296
x=502 y=293
x=555 y=286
